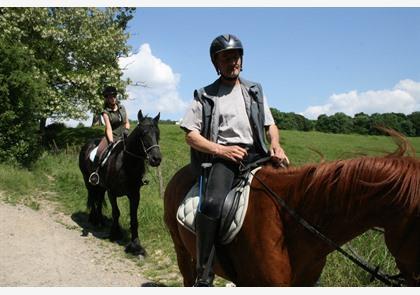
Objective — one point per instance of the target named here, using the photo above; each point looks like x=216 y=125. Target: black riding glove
x=125 y=132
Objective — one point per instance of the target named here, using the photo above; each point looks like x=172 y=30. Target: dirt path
x=48 y=249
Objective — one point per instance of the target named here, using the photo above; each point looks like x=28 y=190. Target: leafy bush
x=21 y=97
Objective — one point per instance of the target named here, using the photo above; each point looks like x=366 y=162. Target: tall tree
x=77 y=49
x=361 y=123
x=415 y=119
x=22 y=94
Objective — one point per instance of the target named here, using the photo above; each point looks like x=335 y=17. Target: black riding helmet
x=223 y=43
x=110 y=90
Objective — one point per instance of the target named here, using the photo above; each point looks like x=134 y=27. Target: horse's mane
x=393 y=178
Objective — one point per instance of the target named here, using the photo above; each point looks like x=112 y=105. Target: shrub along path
x=46 y=248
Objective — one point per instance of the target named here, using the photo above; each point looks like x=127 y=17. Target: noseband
x=146 y=151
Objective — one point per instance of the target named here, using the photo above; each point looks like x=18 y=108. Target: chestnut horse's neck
x=345 y=198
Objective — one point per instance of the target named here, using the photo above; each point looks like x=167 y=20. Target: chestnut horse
x=342 y=199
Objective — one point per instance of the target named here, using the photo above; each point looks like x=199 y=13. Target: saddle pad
x=188 y=208
x=93 y=154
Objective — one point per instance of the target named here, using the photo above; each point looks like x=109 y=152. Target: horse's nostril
x=155 y=161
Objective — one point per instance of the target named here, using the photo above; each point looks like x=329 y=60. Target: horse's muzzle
x=154 y=160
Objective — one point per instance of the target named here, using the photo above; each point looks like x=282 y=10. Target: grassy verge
x=56 y=177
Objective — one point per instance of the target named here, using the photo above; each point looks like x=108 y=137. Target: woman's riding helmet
x=110 y=90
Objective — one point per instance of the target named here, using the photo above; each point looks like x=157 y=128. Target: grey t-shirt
x=234 y=125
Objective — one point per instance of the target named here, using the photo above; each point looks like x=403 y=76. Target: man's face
x=229 y=63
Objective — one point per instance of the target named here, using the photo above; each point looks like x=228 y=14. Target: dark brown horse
x=342 y=199
x=122 y=175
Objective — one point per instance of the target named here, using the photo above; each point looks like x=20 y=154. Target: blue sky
x=309 y=60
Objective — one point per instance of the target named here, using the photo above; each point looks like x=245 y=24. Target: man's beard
x=231 y=78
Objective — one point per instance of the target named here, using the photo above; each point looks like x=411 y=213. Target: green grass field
x=56 y=177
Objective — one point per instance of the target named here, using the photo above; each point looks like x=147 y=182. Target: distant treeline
x=361 y=123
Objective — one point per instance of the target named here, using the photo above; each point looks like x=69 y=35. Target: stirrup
x=94 y=178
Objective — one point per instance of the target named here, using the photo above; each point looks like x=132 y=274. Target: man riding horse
x=226 y=126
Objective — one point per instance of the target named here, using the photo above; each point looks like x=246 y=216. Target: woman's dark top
x=117 y=119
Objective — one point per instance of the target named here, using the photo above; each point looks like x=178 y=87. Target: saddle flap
x=92 y=154
x=233 y=213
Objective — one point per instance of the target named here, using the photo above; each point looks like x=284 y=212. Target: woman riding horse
x=116 y=126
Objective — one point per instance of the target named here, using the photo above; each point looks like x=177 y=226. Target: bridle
x=145 y=154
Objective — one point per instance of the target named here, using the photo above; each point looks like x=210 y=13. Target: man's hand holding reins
x=197 y=141
x=233 y=152
x=278 y=155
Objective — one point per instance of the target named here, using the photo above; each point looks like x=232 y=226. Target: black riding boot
x=206 y=232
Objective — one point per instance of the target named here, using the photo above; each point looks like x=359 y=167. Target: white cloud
x=403 y=98
x=160 y=94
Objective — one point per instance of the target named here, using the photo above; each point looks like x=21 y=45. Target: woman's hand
x=125 y=132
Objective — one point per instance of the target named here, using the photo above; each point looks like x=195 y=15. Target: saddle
x=99 y=162
x=106 y=153
x=233 y=212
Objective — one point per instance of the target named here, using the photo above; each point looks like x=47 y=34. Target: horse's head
x=146 y=134
x=404 y=244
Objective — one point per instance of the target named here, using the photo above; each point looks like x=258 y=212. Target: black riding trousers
x=222 y=177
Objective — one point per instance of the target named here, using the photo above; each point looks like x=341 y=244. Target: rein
x=390 y=280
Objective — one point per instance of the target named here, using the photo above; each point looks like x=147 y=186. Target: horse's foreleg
x=186 y=262
x=310 y=277
x=116 y=233
x=134 y=247
x=186 y=265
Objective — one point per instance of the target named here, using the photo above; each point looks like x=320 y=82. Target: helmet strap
x=229 y=78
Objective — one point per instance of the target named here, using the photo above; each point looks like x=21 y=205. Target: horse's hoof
x=135 y=249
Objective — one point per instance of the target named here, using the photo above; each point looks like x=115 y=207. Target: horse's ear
x=156 y=119
x=139 y=116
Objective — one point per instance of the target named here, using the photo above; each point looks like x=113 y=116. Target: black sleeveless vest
x=255 y=114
